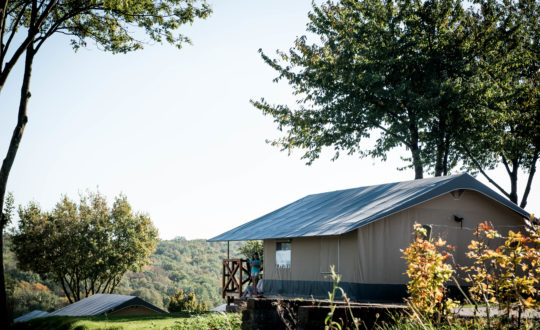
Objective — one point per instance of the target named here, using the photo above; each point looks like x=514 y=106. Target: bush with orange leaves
x=428 y=273
x=506 y=275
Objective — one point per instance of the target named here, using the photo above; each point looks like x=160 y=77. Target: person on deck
x=255 y=264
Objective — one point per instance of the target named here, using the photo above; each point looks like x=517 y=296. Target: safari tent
x=361 y=231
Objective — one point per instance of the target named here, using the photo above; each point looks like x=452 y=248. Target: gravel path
x=469 y=312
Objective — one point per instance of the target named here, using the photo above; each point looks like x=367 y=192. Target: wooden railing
x=235 y=275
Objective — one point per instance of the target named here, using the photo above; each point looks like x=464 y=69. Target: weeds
x=329 y=321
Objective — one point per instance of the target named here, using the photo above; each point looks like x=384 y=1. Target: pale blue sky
x=174 y=130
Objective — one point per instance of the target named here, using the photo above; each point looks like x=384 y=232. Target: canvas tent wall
x=369 y=258
x=362 y=230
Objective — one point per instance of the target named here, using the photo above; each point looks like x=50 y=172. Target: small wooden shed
x=362 y=231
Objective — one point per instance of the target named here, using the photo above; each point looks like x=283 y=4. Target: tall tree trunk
x=61 y=278
x=446 y=154
x=513 y=184
x=513 y=175
x=439 y=167
x=6 y=168
x=532 y=171
x=441 y=147
x=415 y=149
x=417 y=163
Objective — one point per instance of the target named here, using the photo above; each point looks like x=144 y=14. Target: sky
x=173 y=129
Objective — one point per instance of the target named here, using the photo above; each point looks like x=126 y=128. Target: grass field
x=167 y=321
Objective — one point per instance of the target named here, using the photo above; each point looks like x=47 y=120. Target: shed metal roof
x=99 y=304
x=30 y=316
x=338 y=212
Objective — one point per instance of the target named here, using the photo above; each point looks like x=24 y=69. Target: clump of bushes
x=428 y=271
x=186 y=302
x=505 y=273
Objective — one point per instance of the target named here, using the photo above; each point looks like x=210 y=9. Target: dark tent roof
x=30 y=316
x=338 y=212
x=103 y=303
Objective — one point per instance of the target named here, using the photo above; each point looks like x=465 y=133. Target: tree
x=250 y=248
x=505 y=117
x=114 y=25
x=455 y=87
x=9 y=208
x=185 y=302
x=85 y=247
x=386 y=68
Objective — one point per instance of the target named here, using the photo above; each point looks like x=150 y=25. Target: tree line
x=193 y=266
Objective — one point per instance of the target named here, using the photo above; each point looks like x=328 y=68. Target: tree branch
x=404 y=141
x=12 y=34
x=32 y=32
x=56 y=25
x=479 y=167
x=3 y=20
x=64 y=288
x=506 y=165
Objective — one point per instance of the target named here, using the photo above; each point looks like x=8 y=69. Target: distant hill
x=191 y=265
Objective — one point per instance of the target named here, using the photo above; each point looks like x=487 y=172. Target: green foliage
x=114 y=25
x=428 y=274
x=29 y=297
x=193 y=265
x=186 y=321
x=507 y=275
x=455 y=87
x=85 y=247
x=504 y=110
x=196 y=267
x=250 y=248
x=211 y=321
x=390 y=69
x=400 y=322
x=329 y=322
x=117 y=26
x=7 y=213
x=185 y=302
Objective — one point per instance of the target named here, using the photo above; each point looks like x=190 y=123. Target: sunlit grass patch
x=166 y=321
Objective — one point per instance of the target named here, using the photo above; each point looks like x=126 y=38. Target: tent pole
x=228 y=250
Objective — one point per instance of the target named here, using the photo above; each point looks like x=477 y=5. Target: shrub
x=182 y=302
x=506 y=275
x=27 y=297
x=428 y=273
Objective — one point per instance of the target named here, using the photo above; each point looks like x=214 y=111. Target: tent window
x=283 y=255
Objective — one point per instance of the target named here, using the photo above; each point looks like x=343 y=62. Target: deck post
x=232 y=278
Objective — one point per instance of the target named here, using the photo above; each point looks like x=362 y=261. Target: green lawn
x=167 y=321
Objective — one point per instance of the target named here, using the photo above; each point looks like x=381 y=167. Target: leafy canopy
x=504 y=110
x=385 y=69
x=249 y=249
x=86 y=247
